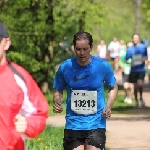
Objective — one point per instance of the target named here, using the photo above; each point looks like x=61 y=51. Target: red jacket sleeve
x=36 y=121
x=37 y=106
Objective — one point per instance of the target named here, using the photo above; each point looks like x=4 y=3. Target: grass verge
x=50 y=139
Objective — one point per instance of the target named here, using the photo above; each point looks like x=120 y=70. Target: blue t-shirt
x=72 y=76
x=134 y=50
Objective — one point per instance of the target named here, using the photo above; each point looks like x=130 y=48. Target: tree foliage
x=146 y=18
x=37 y=27
x=30 y=26
x=26 y=22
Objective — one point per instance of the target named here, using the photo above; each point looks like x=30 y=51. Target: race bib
x=137 y=59
x=84 y=102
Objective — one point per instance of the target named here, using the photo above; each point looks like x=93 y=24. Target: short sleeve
x=109 y=77
x=59 y=81
x=128 y=54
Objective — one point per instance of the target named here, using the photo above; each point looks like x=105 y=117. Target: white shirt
x=114 y=49
x=102 y=51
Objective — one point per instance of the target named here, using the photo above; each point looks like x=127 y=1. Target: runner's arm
x=144 y=59
x=31 y=118
x=36 y=120
x=57 y=99
x=111 y=98
x=128 y=53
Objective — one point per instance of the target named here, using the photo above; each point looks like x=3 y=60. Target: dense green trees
x=146 y=18
x=36 y=28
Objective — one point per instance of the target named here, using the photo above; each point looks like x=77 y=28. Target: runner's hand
x=106 y=113
x=20 y=123
x=57 y=108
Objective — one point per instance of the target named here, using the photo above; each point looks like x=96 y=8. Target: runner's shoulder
x=67 y=63
x=99 y=61
x=101 y=64
x=21 y=69
x=26 y=75
x=143 y=46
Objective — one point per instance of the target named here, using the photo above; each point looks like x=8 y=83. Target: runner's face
x=1 y=49
x=102 y=42
x=4 y=45
x=115 y=39
x=82 y=50
x=136 y=39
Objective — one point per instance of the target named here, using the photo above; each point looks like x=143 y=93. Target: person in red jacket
x=23 y=107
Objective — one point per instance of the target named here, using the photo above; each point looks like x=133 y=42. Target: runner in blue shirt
x=86 y=109
x=138 y=53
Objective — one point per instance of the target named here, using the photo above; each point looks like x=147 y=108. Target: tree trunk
x=137 y=12
x=82 y=21
x=48 y=56
x=47 y=51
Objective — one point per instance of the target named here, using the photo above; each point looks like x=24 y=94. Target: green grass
x=50 y=139
x=121 y=107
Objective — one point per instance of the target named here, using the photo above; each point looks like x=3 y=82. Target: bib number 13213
x=84 y=102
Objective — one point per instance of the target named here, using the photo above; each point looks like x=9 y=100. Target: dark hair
x=3 y=31
x=83 y=36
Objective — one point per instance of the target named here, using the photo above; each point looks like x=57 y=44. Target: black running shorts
x=135 y=76
x=74 y=138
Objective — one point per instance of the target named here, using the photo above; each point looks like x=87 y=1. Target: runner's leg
x=81 y=147
x=140 y=86
x=135 y=95
x=96 y=139
x=74 y=139
x=89 y=147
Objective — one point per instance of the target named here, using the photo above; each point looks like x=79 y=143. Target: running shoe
x=136 y=105
x=129 y=101
x=142 y=102
x=126 y=99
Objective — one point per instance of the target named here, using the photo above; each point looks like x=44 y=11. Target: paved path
x=129 y=131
